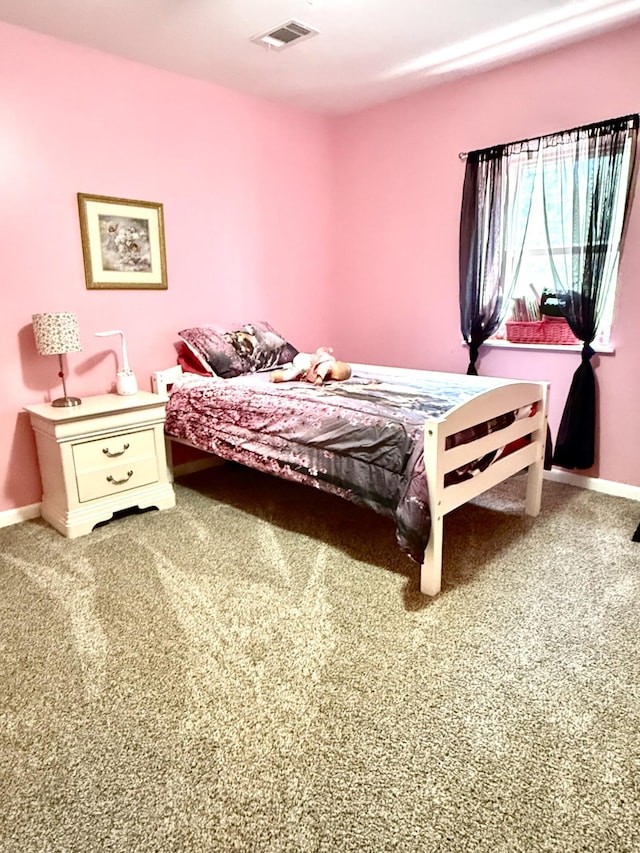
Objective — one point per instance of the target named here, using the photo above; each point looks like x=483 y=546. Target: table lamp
x=57 y=334
x=125 y=377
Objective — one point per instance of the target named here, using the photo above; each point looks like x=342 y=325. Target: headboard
x=162 y=380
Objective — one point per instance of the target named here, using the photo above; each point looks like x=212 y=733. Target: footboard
x=440 y=460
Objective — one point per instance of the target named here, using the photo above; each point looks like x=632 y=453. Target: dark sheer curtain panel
x=590 y=169
x=481 y=219
x=496 y=202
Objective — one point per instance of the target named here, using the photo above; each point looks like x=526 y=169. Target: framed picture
x=122 y=243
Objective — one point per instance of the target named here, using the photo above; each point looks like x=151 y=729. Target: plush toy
x=313 y=367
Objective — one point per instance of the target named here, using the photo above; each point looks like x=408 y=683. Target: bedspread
x=361 y=439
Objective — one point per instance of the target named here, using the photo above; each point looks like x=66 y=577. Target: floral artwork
x=122 y=243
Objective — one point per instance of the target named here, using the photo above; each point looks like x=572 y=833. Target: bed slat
x=456 y=457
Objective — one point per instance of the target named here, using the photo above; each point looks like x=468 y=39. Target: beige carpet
x=255 y=670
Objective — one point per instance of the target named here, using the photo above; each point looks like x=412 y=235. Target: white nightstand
x=105 y=455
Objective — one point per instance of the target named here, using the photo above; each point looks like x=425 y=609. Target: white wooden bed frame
x=508 y=396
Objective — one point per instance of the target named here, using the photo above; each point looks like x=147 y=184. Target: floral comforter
x=361 y=439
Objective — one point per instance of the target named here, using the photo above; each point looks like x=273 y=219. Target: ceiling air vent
x=285 y=35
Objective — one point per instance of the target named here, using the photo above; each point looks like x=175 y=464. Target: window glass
x=535 y=273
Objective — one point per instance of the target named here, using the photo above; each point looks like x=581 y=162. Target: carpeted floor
x=255 y=670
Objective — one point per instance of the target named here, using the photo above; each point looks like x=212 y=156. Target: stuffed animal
x=313 y=367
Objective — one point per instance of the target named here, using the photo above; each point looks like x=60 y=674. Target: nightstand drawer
x=112 y=450
x=117 y=477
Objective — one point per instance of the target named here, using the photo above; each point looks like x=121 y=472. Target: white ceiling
x=367 y=52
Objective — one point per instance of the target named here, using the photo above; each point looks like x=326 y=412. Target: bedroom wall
x=400 y=182
x=239 y=246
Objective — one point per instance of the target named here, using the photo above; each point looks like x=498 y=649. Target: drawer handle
x=108 y=453
x=119 y=482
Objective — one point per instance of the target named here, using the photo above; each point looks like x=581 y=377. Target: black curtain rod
x=635 y=116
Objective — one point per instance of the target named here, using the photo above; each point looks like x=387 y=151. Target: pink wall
x=240 y=244
x=360 y=252
x=400 y=183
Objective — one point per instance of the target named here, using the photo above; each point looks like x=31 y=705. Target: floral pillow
x=247 y=349
x=211 y=350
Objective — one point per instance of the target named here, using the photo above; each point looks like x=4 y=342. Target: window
x=566 y=195
x=552 y=238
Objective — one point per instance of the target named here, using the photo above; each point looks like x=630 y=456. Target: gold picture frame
x=122 y=243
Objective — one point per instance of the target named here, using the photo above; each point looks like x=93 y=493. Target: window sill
x=500 y=343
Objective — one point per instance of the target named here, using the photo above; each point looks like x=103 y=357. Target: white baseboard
x=15 y=516
x=594 y=484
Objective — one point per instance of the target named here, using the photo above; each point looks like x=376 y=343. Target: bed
x=410 y=444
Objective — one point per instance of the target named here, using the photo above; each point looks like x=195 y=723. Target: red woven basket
x=546 y=331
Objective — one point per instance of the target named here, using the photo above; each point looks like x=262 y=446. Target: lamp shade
x=56 y=333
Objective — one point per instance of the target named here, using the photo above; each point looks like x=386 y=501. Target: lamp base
x=66 y=401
